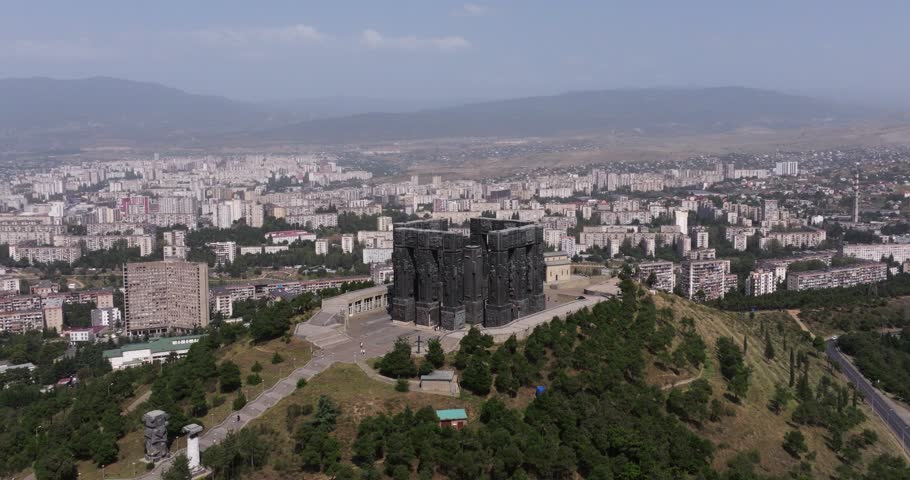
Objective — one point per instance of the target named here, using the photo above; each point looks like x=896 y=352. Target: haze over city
x=446 y=51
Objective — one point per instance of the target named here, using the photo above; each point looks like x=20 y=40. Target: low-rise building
x=559 y=266
x=154 y=351
x=851 y=275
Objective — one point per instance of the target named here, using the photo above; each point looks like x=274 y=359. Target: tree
x=104 y=448
x=229 y=376
x=780 y=399
x=769 y=347
x=477 y=377
x=180 y=469
x=795 y=443
x=398 y=363
x=240 y=401
x=257 y=367
x=435 y=355
x=276 y=359
x=55 y=463
x=792 y=370
x=739 y=385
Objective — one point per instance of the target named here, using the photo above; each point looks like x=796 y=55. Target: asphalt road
x=898 y=426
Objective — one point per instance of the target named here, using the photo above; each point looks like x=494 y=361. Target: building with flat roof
x=875 y=251
x=559 y=266
x=165 y=296
x=706 y=279
x=664 y=278
x=761 y=282
x=849 y=276
x=155 y=351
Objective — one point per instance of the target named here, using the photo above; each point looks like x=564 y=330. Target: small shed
x=440 y=381
x=456 y=418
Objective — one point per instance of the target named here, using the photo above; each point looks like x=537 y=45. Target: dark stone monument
x=491 y=278
x=155 y=435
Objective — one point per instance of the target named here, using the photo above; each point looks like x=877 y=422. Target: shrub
x=301 y=383
x=253 y=379
x=240 y=401
x=402 y=385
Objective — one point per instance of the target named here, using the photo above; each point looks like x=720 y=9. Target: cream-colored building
x=559 y=266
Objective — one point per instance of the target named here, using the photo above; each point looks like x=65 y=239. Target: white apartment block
x=322 y=246
x=875 y=251
x=706 y=276
x=347 y=243
x=106 y=317
x=384 y=224
x=664 y=277
x=44 y=254
x=376 y=255
x=761 y=282
x=145 y=243
x=9 y=284
x=809 y=238
x=225 y=252
x=848 y=276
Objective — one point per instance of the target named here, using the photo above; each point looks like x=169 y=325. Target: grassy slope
x=755 y=427
x=132 y=446
x=358 y=396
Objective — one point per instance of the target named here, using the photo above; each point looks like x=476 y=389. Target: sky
x=435 y=49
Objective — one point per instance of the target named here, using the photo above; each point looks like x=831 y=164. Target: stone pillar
x=405 y=276
x=474 y=280
x=499 y=305
x=429 y=281
x=537 y=273
x=155 y=423
x=192 y=432
x=452 y=311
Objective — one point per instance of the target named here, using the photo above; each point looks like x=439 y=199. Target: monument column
x=192 y=432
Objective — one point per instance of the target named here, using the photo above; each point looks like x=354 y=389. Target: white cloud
x=373 y=39
x=472 y=10
x=248 y=37
x=80 y=50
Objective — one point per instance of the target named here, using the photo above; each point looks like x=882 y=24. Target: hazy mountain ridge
x=639 y=111
x=48 y=113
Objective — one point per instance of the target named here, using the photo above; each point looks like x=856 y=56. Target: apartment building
x=848 y=276
x=39 y=229
x=106 y=317
x=808 y=238
x=175 y=245
x=706 y=276
x=699 y=236
x=665 y=278
x=9 y=284
x=166 y=296
x=44 y=254
x=225 y=252
x=347 y=243
x=145 y=243
x=760 y=282
x=322 y=246
x=875 y=251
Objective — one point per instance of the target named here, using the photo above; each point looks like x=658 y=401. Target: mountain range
x=70 y=113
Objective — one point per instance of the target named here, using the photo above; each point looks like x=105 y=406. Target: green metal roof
x=165 y=344
x=452 y=414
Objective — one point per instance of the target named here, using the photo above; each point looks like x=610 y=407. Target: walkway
x=251 y=411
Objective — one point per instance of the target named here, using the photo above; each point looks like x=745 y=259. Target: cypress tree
x=792 y=370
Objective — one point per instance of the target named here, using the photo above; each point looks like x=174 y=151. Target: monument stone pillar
x=192 y=432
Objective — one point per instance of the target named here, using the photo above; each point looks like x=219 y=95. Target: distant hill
x=47 y=113
x=635 y=111
x=97 y=109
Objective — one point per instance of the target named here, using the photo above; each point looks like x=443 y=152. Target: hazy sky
x=438 y=49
